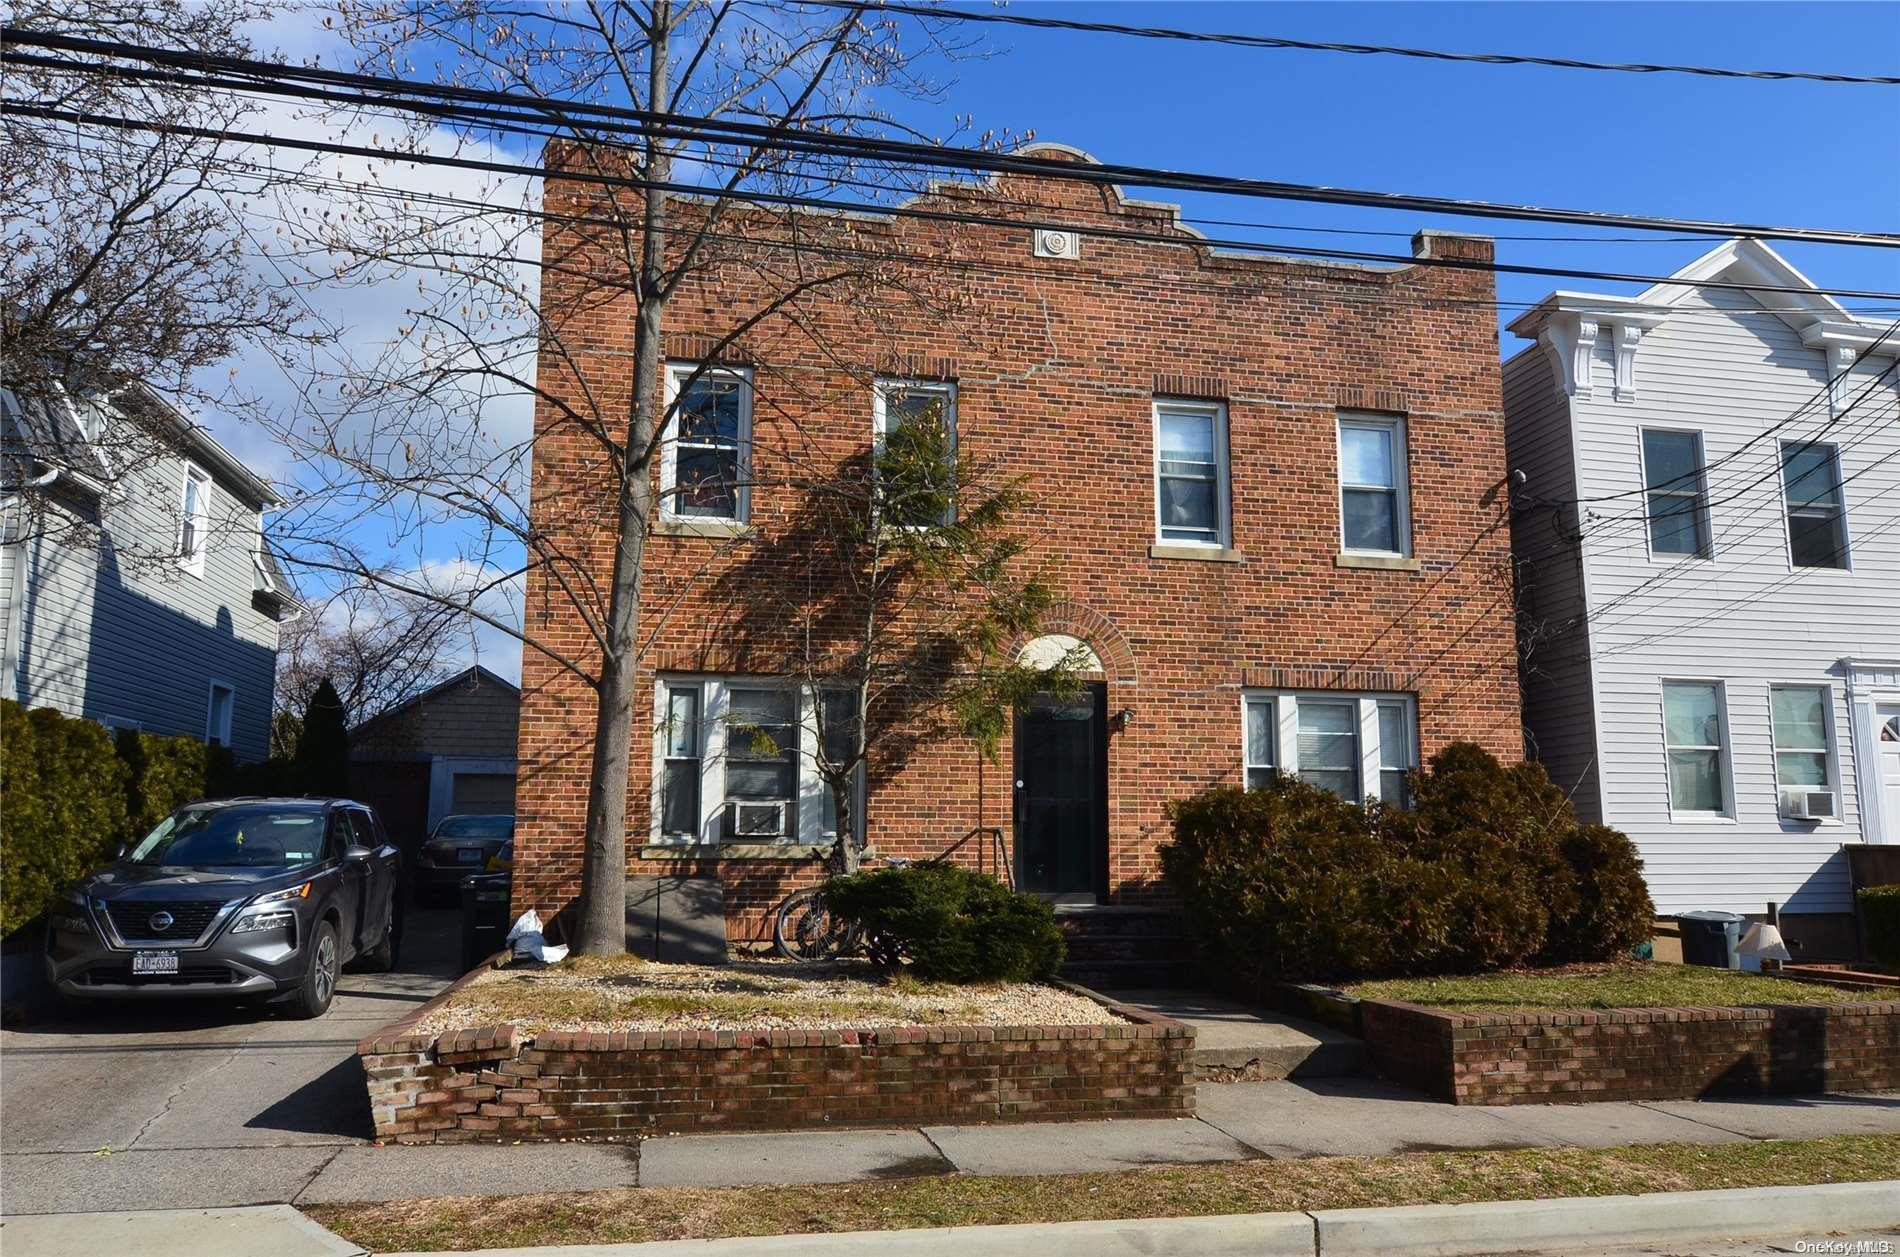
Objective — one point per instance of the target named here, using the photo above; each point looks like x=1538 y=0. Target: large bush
x=951 y=924
x=1488 y=868
x=62 y=807
x=1880 y=918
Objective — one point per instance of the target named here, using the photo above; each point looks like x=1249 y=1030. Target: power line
x=797 y=200
x=1308 y=45
x=819 y=143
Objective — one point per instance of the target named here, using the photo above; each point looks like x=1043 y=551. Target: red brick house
x=1272 y=492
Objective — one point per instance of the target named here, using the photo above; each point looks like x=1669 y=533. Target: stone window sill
x=1379 y=562
x=716 y=528
x=732 y=851
x=1196 y=554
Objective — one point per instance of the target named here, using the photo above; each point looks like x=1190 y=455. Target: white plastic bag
x=526 y=940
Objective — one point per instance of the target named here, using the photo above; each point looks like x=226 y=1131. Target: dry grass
x=642 y=1214
x=626 y=993
x=1636 y=984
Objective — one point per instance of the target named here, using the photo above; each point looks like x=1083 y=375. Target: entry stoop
x=1116 y=947
x=1236 y=1042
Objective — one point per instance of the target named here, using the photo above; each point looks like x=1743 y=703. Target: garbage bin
x=1710 y=938
x=484 y=917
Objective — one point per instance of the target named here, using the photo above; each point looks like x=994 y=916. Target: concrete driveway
x=155 y=1106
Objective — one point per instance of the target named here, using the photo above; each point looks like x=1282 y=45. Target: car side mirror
x=121 y=851
x=358 y=853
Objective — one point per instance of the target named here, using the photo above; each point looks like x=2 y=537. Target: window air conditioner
x=759 y=820
x=1809 y=805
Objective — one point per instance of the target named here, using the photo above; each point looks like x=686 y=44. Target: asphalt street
x=162 y=1106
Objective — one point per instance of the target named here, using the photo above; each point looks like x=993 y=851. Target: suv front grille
x=133 y=918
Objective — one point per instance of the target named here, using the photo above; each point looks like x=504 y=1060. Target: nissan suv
x=238 y=898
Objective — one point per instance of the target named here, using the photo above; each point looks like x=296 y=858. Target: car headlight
x=257 y=922
x=280 y=896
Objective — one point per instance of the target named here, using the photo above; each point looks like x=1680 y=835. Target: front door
x=1887 y=761
x=1062 y=795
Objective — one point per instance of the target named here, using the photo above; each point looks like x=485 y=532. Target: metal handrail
x=992 y=845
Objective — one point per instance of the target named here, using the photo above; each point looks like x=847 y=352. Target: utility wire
x=814 y=142
x=1309 y=45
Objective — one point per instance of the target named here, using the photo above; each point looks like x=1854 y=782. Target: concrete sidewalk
x=1235 y=1122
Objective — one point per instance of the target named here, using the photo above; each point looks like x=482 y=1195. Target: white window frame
x=1787 y=507
x=1401 y=478
x=677 y=373
x=1410 y=747
x=196 y=523
x=1707 y=532
x=715 y=734
x=664 y=757
x=884 y=386
x=1830 y=755
x=1725 y=752
x=213 y=734
x=1286 y=728
x=1223 y=471
x=1250 y=699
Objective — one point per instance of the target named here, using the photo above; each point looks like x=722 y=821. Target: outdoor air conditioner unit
x=1810 y=805
x=759 y=820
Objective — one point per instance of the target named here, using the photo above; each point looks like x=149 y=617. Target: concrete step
x=1101 y=975
x=1238 y=1042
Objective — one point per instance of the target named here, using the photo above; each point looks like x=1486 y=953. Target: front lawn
x=609 y=993
x=641 y=1214
x=1636 y=984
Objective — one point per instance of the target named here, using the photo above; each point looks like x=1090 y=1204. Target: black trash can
x=1710 y=938
x=484 y=917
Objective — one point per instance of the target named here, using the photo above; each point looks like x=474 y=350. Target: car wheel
x=382 y=957
x=313 y=995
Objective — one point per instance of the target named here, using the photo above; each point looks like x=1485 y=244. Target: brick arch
x=1083 y=621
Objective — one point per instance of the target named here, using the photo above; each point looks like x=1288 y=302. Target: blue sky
x=1760 y=151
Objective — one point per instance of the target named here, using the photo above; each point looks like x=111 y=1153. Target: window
x=1329 y=747
x=926 y=415
x=761 y=765
x=1258 y=754
x=679 y=787
x=1351 y=744
x=1799 y=714
x=1676 y=493
x=218 y=714
x=837 y=732
x=708 y=453
x=1395 y=753
x=194 y=516
x=1817 y=518
x=1693 y=741
x=1372 y=506
x=1191 y=493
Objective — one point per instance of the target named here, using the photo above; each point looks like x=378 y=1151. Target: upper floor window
x=706 y=454
x=194 y=516
x=218 y=714
x=923 y=413
x=1676 y=493
x=1695 y=746
x=1372 y=501
x=1817 y=514
x=1191 y=484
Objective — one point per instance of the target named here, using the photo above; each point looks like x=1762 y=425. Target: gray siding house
x=135 y=587
x=447 y=750
x=1708 y=539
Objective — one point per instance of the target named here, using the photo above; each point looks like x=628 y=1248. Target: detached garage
x=449 y=750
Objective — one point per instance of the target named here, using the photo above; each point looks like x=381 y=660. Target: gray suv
x=239 y=898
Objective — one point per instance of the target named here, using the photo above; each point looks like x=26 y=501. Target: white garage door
x=482 y=793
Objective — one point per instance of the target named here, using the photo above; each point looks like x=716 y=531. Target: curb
x=1506 y=1226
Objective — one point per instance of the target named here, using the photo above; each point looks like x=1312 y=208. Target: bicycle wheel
x=803 y=930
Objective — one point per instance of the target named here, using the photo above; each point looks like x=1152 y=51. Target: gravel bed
x=607 y=994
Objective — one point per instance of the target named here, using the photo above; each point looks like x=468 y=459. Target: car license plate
x=154 y=962
x=469 y=855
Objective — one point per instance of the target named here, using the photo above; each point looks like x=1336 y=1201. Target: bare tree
x=506 y=313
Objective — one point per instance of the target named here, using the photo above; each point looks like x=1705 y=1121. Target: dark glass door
x=1062 y=795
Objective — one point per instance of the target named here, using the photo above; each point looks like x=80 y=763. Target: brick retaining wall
x=491 y=1084
x=1635 y=1053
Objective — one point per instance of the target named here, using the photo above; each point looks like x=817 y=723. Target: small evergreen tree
x=323 y=744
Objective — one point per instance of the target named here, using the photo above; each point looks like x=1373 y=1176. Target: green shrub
x=1880 y=918
x=1487 y=869
x=62 y=807
x=162 y=775
x=951 y=924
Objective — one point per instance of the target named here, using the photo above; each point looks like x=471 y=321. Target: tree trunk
x=601 y=929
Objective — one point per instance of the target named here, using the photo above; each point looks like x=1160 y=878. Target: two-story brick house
x=1710 y=552
x=1271 y=491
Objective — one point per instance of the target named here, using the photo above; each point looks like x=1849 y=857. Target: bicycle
x=804 y=929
